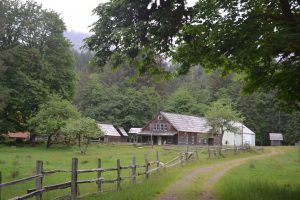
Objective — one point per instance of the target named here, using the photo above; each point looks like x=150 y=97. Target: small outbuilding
x=19 y=136
x=123 y=134
x=276 y=139
x=110 y=133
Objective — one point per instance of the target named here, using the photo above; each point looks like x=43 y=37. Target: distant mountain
x=76 y=38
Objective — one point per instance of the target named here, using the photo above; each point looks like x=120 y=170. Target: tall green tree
x=258 y=38
x=222 y=117
x=35 y=61
x=52 y=117
x=82 y=129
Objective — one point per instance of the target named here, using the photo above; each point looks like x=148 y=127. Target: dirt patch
x=171 y=193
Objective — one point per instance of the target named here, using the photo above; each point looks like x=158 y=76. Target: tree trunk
x=222 y=133
x=49 y=141
x=32 y=139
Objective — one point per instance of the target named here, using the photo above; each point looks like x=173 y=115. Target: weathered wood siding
x=156 y=120
x=112 y=139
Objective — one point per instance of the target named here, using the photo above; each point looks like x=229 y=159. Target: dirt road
x=219 y=169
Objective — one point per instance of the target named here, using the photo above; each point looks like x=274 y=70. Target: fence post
x=133 y=169
x=208 y=150
x=197 y=156
x=157 y=162
x=147 y=166
x=118 y=175
x=0 y=183
x=74 y=176
x=39 y=180
x=234 y=149
x=99 y=182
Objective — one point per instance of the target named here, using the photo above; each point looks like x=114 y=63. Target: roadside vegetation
x=275 y=178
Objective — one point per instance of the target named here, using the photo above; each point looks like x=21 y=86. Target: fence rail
x=73 y=184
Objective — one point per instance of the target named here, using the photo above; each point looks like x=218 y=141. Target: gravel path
x=171 y=192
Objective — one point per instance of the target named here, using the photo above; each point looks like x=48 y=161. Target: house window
x=159 y=117
x=204 y=141
x=166 y=127
x=161 y=127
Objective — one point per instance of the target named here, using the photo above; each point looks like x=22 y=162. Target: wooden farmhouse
x=110 y=133
x=276 y=139
x=170 y=128
x=123 y=134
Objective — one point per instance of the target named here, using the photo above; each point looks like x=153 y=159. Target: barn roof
x=244 y=128
x=122 y=131
x=23 y=135
x=108 y=129
x=135 y=130
x=187 y=123
x=276 y=136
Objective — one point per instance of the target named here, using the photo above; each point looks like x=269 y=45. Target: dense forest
x=119 y=97
x=38 y=66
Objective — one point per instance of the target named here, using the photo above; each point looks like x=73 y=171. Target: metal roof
x=244 y=128
x=135 y=130
x=23 y=135
x=276 y=136
x=187 y=123
x=123 y=132
x=108 y=129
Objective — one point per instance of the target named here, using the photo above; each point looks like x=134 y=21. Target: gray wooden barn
x=276 y=139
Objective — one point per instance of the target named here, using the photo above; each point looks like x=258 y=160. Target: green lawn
x=275 y=178
x=19 y=162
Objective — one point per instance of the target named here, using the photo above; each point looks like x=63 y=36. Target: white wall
x=236 y=139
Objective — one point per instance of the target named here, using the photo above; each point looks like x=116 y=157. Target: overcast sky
x=77 y=14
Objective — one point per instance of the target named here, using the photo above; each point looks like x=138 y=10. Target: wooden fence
x=148 y=166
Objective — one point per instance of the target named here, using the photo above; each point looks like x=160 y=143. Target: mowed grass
x=274 y=178
x=19 y=162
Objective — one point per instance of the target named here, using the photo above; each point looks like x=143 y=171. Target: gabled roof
x=276 y=136
x=244 y=128
x=187 y=123
x=135 y=130
x=23 y=135
x=108 y=129
x=122 y=131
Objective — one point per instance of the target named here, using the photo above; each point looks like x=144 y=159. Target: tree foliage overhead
x=256 y=37
x=35 y=61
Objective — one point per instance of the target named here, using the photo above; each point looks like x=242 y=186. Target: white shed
x=244 y=134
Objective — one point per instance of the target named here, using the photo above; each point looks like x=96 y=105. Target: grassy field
x=19 y=162
x=275 y=178
x=149 y=189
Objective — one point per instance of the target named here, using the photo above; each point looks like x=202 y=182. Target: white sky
x=77 y=14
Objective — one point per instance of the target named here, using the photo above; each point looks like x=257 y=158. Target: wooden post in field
x=74 y=176
x=197 y=156
x=118 y=175
x=157 y=162
x=133 y=169
x=181 y=159
x=99 y=183
x=39 y=180
x=146 y=166
x=0 y=183
x=208 y=151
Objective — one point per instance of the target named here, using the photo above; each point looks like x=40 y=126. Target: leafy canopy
x=258 y=38
x=53 y=116
x=35 y=61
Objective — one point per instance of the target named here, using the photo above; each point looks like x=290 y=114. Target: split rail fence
x=148 y=168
